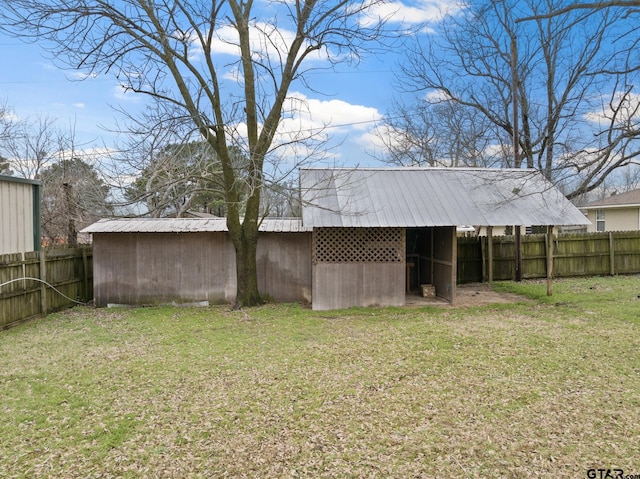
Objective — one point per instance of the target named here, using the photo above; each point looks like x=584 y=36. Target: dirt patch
x=467 y=295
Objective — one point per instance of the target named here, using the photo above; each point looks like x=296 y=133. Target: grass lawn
x=544 y=388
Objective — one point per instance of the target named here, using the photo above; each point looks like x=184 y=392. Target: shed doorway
x=431 y=260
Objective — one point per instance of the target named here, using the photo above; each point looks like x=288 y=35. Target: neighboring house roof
x=419 y=197
x=630 y=198
x=188 y=225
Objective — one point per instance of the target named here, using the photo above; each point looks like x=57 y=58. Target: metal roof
x=418 y=197
x=15 y=179
x=188 y=225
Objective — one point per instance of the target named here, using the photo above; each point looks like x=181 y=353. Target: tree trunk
x=245 y=243
x=72 y=234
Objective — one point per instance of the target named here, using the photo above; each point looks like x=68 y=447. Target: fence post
x=612 y=255
x=518 y=252
x=549 y=241
x=490 y=252
x=43 y=286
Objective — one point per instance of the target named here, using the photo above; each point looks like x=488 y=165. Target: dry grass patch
x=543 y=389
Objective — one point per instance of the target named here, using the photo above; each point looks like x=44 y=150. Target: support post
x=43 y=286
x=490 y=252
x=550 y=260
x=85 y=275
x=518 y=253
x=612 y=255
x=454 y=263
x=433 y=267
x=483 y=258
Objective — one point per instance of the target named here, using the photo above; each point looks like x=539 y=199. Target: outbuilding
x=20 y=222
x=145 y=261
x=378 y=232
x=366 y=237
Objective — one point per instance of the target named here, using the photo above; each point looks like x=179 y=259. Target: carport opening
x=419 y=259
x=431 y=260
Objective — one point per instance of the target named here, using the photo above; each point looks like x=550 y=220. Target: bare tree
x=6 y=127
x=73 y=196
x=177 y=179
x=170 y=51
x=593 y=6
x=436 y=132
x=567 y=129
x=31 y=144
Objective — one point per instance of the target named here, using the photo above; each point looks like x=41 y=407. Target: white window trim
x=600 y=220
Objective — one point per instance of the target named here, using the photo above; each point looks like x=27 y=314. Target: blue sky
x=33 y=86
x=352 y=100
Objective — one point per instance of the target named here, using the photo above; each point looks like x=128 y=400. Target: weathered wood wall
x=67 y=270
x=284 y=266
x=358 y=267
x=158 y=268
x=582 y=254
x=444 y=259
x=344 y=285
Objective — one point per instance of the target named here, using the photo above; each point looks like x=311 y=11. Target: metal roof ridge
x=419 y=168
x=217 y=218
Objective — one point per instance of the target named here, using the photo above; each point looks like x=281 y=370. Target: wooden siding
x=358 y=267
x=444 y=259
x=16 y=217
x=158 y=268
x=284 y=266
x=344 y=285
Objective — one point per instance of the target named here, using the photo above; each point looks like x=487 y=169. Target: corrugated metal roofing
x=188 y=225
x=418 y=197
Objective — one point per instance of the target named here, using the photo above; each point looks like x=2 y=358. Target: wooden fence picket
x=68 y=270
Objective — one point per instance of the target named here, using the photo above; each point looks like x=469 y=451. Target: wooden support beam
x=518 y=253
x=549 y=260
x=612 y=255
x=43 y=286
x=490 y=252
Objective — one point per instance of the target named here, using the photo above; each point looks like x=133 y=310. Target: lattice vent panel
x=358 y=245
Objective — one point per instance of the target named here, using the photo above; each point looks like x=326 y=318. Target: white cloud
x=436 y=96
x=233 y=75
x=382 y=137
x=421 y=11
x=268 y=42
x=274 y=41
x=48 y=66
x=627 y=106
x=79 y=105
x=120 y=93
x=8 y=116
x=312 y=113
x=320 y=121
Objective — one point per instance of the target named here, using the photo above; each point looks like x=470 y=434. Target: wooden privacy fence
x=67 y=270
x=583 y=254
